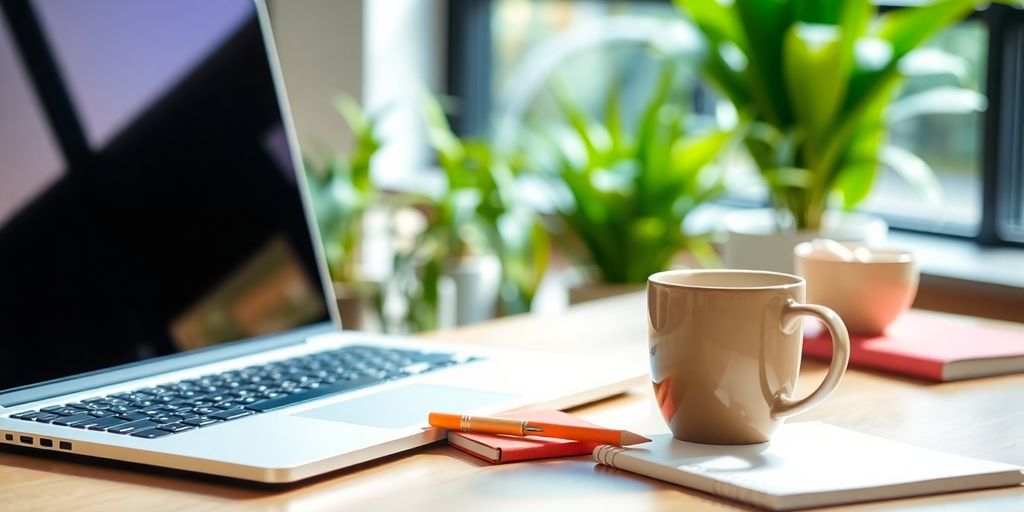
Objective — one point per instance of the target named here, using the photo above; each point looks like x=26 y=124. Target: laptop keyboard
x=180 y=406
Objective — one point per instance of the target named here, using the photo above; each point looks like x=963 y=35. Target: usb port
x=46 y=442
x=26 y=439
x=65 y=445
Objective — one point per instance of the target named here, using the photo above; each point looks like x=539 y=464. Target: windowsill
x=958 y=276
x=965 y=261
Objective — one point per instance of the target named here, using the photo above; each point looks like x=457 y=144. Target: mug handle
x=791 y=313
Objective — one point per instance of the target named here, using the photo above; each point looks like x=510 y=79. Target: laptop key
x=68 y=420
x=176 y=427
x=105 y=423
x=132 y=416
x=231 y=414
x=310 y=394
x=66 y=411
x=152 y=433
x=201 y=422
x=134 y=426
x=45 y=417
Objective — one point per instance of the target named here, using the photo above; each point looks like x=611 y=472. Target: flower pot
x=468 y=292
x=754 y=240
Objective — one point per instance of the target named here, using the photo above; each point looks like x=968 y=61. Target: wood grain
x=981 y=418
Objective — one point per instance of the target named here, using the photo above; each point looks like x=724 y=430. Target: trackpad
x=404 y=406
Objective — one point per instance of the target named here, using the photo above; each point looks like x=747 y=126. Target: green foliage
x=342 y=190
x=813 y=79
x=476 y=212
x=631 y=190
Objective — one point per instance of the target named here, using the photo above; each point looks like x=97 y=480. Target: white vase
x=468 y=292
x=754 y=240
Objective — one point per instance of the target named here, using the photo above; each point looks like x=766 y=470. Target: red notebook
x=498 y=449
x=929 y=347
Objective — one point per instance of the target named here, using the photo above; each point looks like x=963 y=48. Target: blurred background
x=475 y=158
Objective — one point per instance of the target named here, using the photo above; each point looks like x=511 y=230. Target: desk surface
x=981 y=418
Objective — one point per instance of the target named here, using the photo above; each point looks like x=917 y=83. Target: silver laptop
x=162 y=296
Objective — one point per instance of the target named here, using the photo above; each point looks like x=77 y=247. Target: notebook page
x=820 y=462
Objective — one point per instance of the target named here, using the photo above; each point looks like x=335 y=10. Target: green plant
x=342 y=190
x=477 y=211
x=631 y=190
x=816 y=80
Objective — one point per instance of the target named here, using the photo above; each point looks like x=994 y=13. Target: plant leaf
x=814 y=78
x=439 y=132
x=934 y=61
x=765 y=23
x=907 y=28
x=718 y=22
x=613 y=119
x=577 y=119
x=818 y=11
x=692 y=153
x=648 y=125
x=723 y=33
x=789 y=177
x=855 y=181
x=916 y=172
x=938 y=100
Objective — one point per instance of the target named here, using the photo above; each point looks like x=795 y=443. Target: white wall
x=405 y=57
x=383 y=53
x=320 y=44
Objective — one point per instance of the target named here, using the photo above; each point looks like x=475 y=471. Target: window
x=28 y=153
x=979 y=158
x=113 y=92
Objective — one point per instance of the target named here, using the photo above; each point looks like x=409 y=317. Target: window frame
x=1001 y=162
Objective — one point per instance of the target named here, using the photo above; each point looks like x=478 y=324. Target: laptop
x=163 y=296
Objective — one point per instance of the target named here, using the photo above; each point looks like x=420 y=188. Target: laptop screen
x=148 y=203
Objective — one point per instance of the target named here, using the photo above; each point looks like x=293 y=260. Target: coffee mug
x=868 y=287
x=725 y=352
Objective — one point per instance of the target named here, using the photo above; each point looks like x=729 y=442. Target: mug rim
x=658 y=278
x=885 y=255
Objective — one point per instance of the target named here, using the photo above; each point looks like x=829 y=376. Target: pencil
x=514 y=427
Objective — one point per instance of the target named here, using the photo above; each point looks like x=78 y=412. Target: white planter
x=754 y=240
x=468 y=292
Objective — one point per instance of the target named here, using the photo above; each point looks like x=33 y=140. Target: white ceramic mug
x=868 y=287
x=725 y=352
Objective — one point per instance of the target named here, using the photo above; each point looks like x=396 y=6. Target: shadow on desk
x=96 y=468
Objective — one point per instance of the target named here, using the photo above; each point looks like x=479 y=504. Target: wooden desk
x=981 y=418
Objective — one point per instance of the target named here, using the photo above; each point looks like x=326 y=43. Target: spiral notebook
x=810 y=464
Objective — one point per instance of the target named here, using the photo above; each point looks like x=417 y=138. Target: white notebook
x=809 y=464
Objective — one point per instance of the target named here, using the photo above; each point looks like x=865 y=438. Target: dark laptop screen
x=147 y=200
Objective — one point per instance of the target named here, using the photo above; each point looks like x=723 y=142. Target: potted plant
x=342 y=192
x=625 y=191
x=814 y=82
x=481 y=248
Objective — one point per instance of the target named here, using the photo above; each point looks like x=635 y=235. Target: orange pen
x=514 y=427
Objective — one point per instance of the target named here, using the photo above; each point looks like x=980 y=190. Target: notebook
x=931 y=348
x=498 y=449
x=809 y=464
